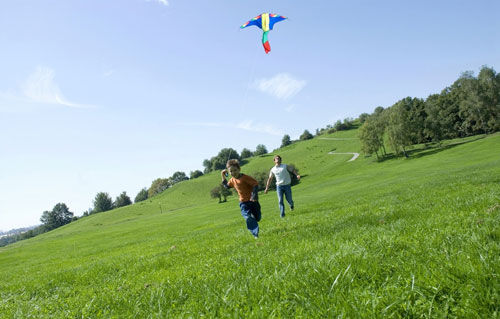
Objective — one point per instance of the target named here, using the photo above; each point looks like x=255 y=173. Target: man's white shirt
x=282 y=175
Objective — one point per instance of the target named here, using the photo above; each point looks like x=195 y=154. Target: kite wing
x=265 y=22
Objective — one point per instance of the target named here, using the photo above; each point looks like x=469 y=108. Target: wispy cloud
x=245 y=125
x=162 y=2
x=40 y=87
x=290 y=108
x=282 y=86
x=108 y=73
x=261 y=128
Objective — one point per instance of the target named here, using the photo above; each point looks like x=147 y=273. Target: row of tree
x=470 y=106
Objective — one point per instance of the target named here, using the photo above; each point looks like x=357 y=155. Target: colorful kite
x=266 y=22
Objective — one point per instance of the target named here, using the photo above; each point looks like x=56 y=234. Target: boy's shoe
x=291 y=208
x=256 y=237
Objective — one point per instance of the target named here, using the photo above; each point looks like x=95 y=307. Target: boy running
x=247 y=188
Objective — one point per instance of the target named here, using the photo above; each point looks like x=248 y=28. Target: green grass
x=415 y=237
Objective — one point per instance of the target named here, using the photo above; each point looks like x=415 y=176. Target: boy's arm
x=224 y=181
x=255 y=194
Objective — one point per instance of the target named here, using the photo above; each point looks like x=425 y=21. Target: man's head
x=233 y=166
x=277 y=159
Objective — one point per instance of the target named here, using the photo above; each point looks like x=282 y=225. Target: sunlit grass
x=415 y=237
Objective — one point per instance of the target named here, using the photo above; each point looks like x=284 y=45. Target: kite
x=266 y=22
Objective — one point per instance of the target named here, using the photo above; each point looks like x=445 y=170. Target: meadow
x=413 y=237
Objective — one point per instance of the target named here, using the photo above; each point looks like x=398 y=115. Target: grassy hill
x=415 y=237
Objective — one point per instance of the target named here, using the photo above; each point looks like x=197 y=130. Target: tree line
x=470 y=106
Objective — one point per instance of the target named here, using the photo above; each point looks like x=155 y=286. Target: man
x=283 y=181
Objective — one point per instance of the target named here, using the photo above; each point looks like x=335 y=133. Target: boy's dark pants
x=247 y=210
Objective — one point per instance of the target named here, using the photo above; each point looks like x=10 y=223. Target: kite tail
x=265 y=42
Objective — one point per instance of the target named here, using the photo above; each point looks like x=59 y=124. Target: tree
x=122 y=200
x=286 y=141
x=216 y=193
x=220 y=192
x=306 y=136
x=368 y=135
x=260 y=150
x=400 y=130
x=195 y=174
x=178 y=177
x=225 y=192
x=363 y=117
x=219 y=161
x=102 y=203
x=57 y=217
x=246 y=153
x=207 y=164
x=479 y=107
x=158 y=186
x=141 y=196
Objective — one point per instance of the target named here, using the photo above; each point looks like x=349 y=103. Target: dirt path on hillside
x=355 y=155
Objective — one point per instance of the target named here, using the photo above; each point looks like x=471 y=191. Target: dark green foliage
x=195 y=174
x=219 y=162
x=363 y=117
x=102 y=203
x=370 y=141
x=262 y=177
x=260 y=150
x=21 y=234
x=246 y=153
x=122 y=200
x=470 y=106
x=306 y=136
x=404 y=126
x=343 y=126
x=57 y=217
x=141 y=196
x=178 y=177
x=286 y=141
x=158 y=186
x=221 y=193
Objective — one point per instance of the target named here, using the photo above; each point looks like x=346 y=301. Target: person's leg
x=252 y=224
x=256 y=212
x=279 y=191
x=288 y=195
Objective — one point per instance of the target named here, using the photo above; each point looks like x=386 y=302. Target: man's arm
x=268 y=182
x=293 y=171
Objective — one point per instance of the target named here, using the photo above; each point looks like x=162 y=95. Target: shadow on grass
x=429 y=149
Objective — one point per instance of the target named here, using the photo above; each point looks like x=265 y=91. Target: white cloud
x=163 y=2
x=39 y=88
x=282 y=86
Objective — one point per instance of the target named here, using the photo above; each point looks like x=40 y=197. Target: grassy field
x=415 y=237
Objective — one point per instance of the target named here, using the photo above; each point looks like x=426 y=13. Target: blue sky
x=110 y=95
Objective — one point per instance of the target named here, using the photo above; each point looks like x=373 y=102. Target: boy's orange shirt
x=244 y=186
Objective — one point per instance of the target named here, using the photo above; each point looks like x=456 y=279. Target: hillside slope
x=402 y=237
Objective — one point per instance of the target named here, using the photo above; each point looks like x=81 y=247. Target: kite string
x=252 y=74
